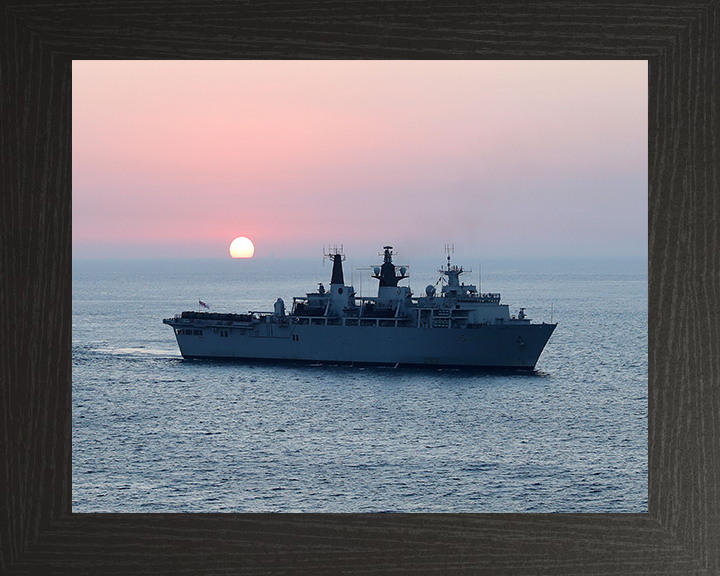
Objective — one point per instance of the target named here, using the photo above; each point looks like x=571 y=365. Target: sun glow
x=242 y=247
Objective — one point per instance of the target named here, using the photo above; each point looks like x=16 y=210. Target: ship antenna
x=333 y=250
x=449 y=248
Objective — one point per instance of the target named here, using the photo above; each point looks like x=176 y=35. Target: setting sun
x=242 y=248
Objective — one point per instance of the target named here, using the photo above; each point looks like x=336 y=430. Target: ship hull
x=488 y=346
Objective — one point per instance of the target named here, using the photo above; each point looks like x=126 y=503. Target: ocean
x=152 y=432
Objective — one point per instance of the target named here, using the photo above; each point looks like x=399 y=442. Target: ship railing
x=219 y=321
x=400 y=322
x=490 y=296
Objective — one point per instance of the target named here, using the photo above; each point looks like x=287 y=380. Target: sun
x=242 y=247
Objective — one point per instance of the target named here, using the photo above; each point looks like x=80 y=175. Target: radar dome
x=430 y=290
x=403 y=270
x=376 y=270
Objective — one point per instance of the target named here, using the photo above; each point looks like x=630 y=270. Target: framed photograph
x=672 y=531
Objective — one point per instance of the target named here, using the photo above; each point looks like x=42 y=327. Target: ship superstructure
x=459 y=326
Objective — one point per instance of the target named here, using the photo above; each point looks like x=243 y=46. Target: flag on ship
x=203 y=304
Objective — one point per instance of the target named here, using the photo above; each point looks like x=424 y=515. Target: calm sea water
x=155 y=433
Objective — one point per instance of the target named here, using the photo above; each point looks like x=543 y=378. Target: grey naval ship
x=457 y=327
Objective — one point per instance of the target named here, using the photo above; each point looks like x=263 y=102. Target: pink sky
x=506 y=159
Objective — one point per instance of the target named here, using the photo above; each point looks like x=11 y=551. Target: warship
x=455 y=327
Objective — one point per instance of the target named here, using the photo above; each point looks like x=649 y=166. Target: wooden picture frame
x=38 y=532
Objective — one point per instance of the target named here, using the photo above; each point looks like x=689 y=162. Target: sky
x=503 y=159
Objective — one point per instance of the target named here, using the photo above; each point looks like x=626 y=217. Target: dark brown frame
x=39 y=534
